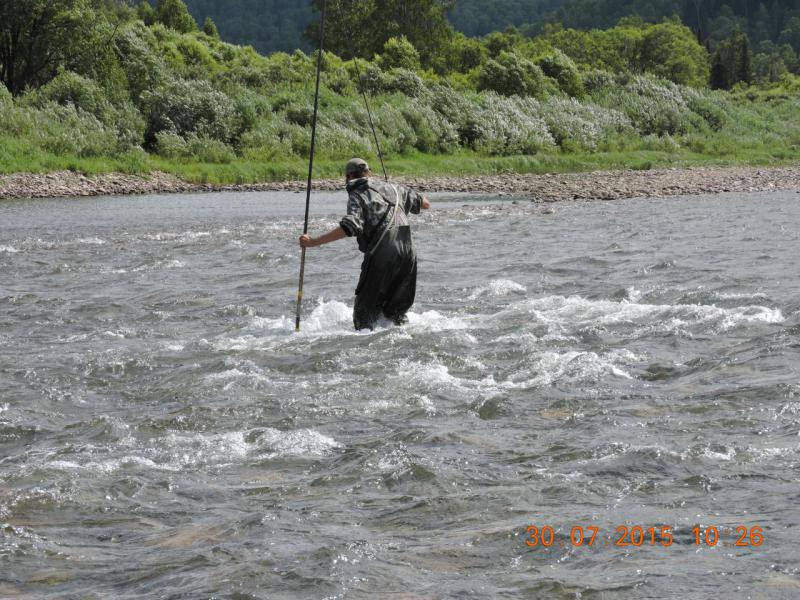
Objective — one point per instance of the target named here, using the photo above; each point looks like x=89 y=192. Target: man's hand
x=306 y=241
x=426 y=204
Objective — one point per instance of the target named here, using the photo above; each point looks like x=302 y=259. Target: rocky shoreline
x=609 y=185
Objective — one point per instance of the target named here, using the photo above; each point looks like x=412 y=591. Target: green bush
x=175 y=15
x=193 y=148
x=68 y=131
x=597 y=81
x=583 y=126
x=71 y=89
x=373 y=79
x=405 y=82
x=302 y=115
x=660 y=143
x=510 y=75
x=136 y=52
x=462 y=110
x=711 y=107
x=209 y=150
x=196 y=57
x=336 y=140
x=654 y=106
x=399 y=53
x=192 y=108
x=265 y=142
x=434 y=133
x=506 y=126
x=397 y=136
x=5 y=96
x=560 y=67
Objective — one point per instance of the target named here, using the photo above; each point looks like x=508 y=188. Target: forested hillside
x=271 y=25
x=477 y=17
x=267 y=25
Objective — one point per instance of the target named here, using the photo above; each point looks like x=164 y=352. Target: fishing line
x=363 y=89
x=311 y=163
x=369 y=114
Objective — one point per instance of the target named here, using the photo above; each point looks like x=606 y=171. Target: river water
x=165 y=434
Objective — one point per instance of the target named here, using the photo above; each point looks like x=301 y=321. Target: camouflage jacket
x=368 y=207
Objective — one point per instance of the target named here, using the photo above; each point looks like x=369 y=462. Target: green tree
x=670 y=50
x=559 y=67
x=502 y=41
x=399 y=53
x=39 y=36
x=175 y=15
x=510 y=74
x=210 y=28
x=145 y=13
x=461 y=55
x=791 y=34
x=362 y=27
x=732 y=62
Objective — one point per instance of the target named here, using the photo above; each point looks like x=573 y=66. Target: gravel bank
x=543 y=188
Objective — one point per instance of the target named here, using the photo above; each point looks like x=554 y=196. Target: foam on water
x=177 y=451
x=499 y=287
x=575 y=312
x=92 y=241
x=326 y=318
x=550 y=368
x=169 y=433
x=433 y=376
x=305 y=442
x=8 y=250
x=433 y=321
x=334 y=318
x=241 y=372
x=183 y=237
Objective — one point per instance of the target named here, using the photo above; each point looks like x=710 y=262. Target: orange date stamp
x=637 y=536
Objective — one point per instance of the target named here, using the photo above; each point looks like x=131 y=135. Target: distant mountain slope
x=267 y=25
x=271 y=25
x=478 y=17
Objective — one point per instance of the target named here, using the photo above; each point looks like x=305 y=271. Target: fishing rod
x=311 y=163
x=369 y=114
x=313 y=146
x=363 y=89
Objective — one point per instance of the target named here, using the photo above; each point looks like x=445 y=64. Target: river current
x=165 y=434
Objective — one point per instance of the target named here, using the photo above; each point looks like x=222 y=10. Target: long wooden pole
x=311 y=164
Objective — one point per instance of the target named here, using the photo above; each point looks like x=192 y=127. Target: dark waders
x=388 y=282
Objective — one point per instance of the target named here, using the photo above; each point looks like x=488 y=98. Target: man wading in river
x=377 y=215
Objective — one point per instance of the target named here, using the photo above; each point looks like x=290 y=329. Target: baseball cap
x=356 y=166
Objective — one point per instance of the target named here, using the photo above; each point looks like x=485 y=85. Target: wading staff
x=311 y=164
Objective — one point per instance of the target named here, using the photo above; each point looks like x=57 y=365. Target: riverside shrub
x=510 y=126
x=69 y=88
x=654 y=106
x=69 y=131
x=6 y=99
x=191 y=108
x=560 y=68
x=434 y=133
x=583 y=126
x=513 y=75
x=144 y=68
